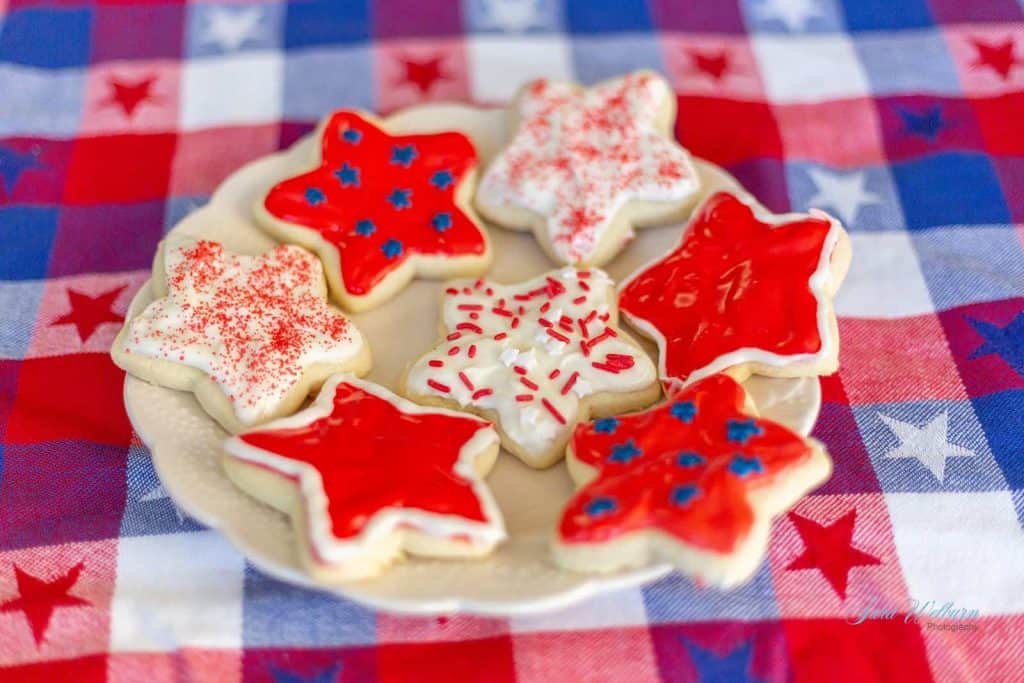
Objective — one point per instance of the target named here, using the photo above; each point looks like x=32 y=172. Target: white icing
x=529 y=423
x=579 y=156
x=225 y=314
x=388 y=521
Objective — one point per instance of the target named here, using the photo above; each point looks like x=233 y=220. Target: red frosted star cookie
x=367 y=476
x=535 y=357
x=586 y=165
x=381 y=208
x=250 y=336
x=744 y=291
x=694 y=481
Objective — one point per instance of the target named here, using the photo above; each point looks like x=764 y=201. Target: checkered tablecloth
x=904 y=118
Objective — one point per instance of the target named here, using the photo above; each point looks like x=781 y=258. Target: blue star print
x=392 y=248
x=925 y=125
x=733 y=667
x=351 y=136
x=328 y=675
x=600 y=506
x=689 y=460
x=683 y=411
x=365 y=227
x=441 y=221
x=403 y=156
x=1006 y=342
x=606 y=425
x=740 y=431
x=12 y=165
x=347 y=175
x=624 y=452
x=400 y=199
x=442 y=180
x=742 y=466
x=681 y=495
x=315 y=196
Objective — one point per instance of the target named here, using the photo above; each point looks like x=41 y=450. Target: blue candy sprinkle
x=442 y=180
x=681 y=495
x=606 y=425
x=347 y=175
x=400 y=199
x=365 y=227
x=742 y=466
x=392 y=248
x=600 y=506
x=683 y=411
x=351 y=135
x=315 y=196
x=624 y=452
x=441 y=221
x=740 y=431
x=689 y=460
x=403 y=156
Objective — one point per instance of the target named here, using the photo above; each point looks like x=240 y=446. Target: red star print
x=372 y=456
x=89 y=312
x=999 y=57
x=378 y=199
x=38 y=598
x=687 y=468
x=830 y=549
x=424 y=73
x=715 y=65
x=734 y=284
x=130 y=95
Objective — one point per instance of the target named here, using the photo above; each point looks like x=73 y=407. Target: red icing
x=372 y=456
x=733 y=283
x=638 y=458
x=336 y=210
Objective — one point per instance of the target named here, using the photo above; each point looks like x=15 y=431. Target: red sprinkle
x=553 y=410
x=583 y=328
x=569 y=382
x=436 y=363
x=502 y=311
x=558 y=335
x=584 y=286
x=554 y=373
x=523 y=398
x=472 y=350
x=584 y=347
x=467 y=290
x=529 y=384
x=545 y=307
x=515 y=323
x=453 y=336
x=465 y=380
x=544 y=322
x=474 y=316
x=519 y=369
x=451 y=290
x=500 y=336
x=437 y=385
x=584 y=274
x=607 y=367
x=472 y=327
x=470 y=307
x=454 y=351
x=480 y=393
x=579 y=300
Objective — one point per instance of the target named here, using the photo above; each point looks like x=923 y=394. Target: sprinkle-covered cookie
x=249 y=335
x=367 y=476
x=586 y=165
x=694 y=481
x=380 y=208
x=536 y=357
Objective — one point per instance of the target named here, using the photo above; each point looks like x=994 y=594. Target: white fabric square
x=622 y=608
x=242 y=88
x=177 y=590
x=499 y=64
x=885 y=278
x=810 y=67
x=964 y=548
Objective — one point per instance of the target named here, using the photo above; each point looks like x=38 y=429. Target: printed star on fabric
x=510 y=16
x=580 y=155
x=733 y=667
x=929 y=445
x=844 y=193
x=327 y=675
x=253 y=324
x=530 y=352
x=12 y=164
x=926 y=125
x=690 y=480
x=382 y=463
x=736 y=283
x=1006 y=342
x=1000 y=57
x=378 y=199
x=39 y=598
x=89 y=312
x=829 y=549
x=793 y=14
x=423 y=73
x=714 y=64
x=130 y=95
x=229 y=29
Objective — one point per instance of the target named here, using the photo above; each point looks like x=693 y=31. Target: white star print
x=511 y=16
x=793 y=13
x=160 y=493
x=229 y=29
x=843 y=193
x=929 y=444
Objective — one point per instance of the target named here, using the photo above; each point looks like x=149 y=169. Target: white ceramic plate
x=519 y=577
